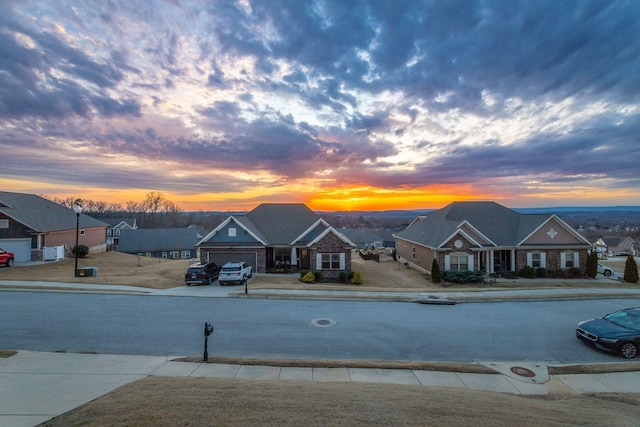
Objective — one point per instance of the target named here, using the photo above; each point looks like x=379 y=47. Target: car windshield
x=625 y=319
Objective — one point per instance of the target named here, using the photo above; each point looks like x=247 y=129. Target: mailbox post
x=208 y=330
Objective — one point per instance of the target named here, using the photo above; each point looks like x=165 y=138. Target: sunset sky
x=342 y=104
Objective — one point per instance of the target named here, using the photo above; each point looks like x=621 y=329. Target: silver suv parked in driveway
x=235 y=272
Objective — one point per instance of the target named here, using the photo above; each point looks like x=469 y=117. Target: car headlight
x=608 y=340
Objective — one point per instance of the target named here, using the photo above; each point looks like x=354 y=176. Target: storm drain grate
x=523 y=372
x=323 y=322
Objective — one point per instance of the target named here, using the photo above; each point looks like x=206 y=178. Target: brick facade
x=330 y=244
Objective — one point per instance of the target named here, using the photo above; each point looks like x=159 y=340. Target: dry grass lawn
x=116 y=268
x=161 y=401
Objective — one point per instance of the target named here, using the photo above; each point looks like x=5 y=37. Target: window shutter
x=447 y=262
x=342 y=261
x=563 y=260
x=576 y=259
x=543 y=260
x=470 y=265
x=318 y=261
x=529 y=259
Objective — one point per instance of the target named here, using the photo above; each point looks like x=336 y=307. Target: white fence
x=54 y=253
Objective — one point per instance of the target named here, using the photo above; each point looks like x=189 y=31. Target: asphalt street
x=301 y=329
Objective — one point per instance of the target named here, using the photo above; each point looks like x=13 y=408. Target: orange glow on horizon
x=318 y=198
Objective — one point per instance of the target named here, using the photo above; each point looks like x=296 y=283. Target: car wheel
x=607 y=273
x=250 y=274
x=10 y=262
x=628 y=350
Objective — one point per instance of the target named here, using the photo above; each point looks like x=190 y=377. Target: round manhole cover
x=523 y=372
x=323 y=323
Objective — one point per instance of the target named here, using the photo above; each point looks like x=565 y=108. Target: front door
x=501 y=261
x=304 y=259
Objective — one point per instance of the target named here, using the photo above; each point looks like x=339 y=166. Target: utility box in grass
x=87 y=272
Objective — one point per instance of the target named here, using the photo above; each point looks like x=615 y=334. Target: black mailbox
x=208 y=330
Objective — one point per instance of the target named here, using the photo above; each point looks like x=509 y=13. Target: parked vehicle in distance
x=623 y=254
x=235 y=272
x=6 y=258
x=605 y=271
x=202 y=273
x=617 y=332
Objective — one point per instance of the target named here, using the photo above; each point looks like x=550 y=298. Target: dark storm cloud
x=276 y=143
x=29 y=87
x=525 y=49
x=575 y=157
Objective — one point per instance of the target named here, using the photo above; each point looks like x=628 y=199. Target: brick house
x=279 y=237
x=489 y=237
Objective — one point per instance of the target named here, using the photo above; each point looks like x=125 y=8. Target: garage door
x=221 y=258
x=21 y=248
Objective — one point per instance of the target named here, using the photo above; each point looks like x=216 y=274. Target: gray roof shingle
x=501 y=225
x=157 y=239
x=42 y=215
x=280 y=223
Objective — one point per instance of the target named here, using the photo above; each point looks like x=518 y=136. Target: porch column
x=513 y=260
x=294 y=256
x=490 y=262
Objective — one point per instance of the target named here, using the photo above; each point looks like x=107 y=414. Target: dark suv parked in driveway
x=202 y=273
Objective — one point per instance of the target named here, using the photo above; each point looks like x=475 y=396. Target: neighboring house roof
x=281 y=224
x=616 y=241
x=42 y=215
x=485 y=223
x=362 y=236
x=121 y=222
x=157 y=239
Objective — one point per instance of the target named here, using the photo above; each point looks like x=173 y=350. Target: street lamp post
x=77 y=209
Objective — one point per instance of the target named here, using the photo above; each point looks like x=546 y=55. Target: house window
x=459 y=262
x=413 y=253
x=174 y=254
x=4 y=223
x=82 y=232
x=185 y=254
x=232 y=232
x=535 y=260
x=164 y=254
x=117 y=232
x=330 y=261
x=568 y=260
x=109 y=232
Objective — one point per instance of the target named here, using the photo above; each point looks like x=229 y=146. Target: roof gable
x=554 y=231
x=222 y=233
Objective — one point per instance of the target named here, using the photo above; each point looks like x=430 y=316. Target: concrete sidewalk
x=38 y=386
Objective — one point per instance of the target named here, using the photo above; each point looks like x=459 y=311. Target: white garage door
x=21 y=248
